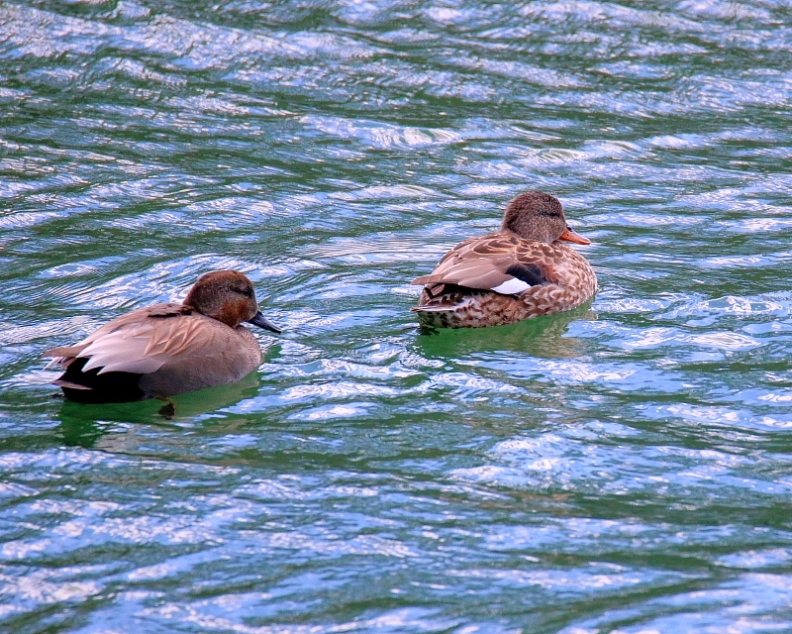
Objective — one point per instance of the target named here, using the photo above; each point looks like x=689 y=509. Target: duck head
x=228 y=296
x=539 y=216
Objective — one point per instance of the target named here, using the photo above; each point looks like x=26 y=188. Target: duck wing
x=141 y=341
x=498 y=262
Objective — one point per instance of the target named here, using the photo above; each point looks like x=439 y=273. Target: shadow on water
x=85 y=425
x=543 y=337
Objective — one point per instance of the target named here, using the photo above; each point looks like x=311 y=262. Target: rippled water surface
x=623 y=467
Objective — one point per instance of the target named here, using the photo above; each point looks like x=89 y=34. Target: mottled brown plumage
x=167 y=349
x=519 y=272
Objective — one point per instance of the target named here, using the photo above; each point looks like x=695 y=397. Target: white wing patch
x=512 y=286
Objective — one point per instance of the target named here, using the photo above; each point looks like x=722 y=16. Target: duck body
x=522 y=271
x=168 y=348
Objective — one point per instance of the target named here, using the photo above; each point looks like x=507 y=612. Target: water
x=623 y=467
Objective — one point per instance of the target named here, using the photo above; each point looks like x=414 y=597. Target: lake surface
x=623 y=467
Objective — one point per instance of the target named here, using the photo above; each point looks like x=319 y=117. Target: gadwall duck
x=519 y=272
x=167 y=349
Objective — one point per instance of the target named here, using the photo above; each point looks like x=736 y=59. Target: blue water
x=625 y=467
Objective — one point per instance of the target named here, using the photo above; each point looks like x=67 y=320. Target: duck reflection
x=542 y=337
x=105 y=426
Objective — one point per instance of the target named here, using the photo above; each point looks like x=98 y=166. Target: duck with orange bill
x=524 y=270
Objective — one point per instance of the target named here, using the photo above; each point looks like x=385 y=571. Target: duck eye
x=246 y=291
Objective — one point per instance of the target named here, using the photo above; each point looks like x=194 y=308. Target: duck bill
x=262 y=322
x=571 y=236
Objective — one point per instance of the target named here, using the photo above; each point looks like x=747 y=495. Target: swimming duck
x=167 y=349
x=519 y=272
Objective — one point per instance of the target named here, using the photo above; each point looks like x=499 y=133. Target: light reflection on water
x=620 y=467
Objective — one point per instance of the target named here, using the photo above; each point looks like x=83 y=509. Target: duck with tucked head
x=167 y=349
x=522 y=271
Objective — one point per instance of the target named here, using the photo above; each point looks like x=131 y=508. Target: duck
x=168 y=348
x=522 y=271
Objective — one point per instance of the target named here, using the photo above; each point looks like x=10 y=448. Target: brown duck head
x=539 y=216
x=228 y=296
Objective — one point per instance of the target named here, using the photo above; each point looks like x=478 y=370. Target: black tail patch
x=111 y=387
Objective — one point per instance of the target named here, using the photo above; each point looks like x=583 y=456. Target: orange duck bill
x=571 y=236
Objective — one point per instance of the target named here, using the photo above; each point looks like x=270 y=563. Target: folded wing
x=140 y=342
x=505 y=265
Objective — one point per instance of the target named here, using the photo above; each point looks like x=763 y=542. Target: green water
x=623 y=467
